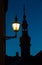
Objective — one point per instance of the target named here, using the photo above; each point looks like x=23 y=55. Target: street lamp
x=15 y=27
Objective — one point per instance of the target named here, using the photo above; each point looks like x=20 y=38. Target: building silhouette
x=3 y=10
x=25 y=58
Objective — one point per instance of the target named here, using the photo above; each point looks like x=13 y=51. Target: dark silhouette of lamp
x=15 y=27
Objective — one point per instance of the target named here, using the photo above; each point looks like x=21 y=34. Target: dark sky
x=34 y=19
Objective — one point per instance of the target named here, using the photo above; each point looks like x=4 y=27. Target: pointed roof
x=24 y=24
x=39 y=54
x=24 y=16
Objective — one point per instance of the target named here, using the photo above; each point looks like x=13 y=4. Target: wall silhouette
x=3 y=10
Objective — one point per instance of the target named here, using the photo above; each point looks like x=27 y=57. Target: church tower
x=25 y=39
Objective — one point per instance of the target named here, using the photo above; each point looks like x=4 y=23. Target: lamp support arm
x=8 y=37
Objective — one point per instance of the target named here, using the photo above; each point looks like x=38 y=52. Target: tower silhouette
x=25 y=39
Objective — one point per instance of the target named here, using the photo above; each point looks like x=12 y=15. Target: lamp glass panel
x=16 y=26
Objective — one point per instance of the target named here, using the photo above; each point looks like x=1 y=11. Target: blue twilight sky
x=34 y=19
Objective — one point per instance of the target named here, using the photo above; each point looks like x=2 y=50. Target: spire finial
x=24 y=9
x=24 y=12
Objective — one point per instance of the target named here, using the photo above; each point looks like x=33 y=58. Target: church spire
x=24 y=16
x=24 y=23
x=25 y=39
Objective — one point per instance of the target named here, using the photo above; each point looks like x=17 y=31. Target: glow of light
x=16 y=26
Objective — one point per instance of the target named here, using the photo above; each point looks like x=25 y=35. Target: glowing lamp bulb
x=16 y=26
